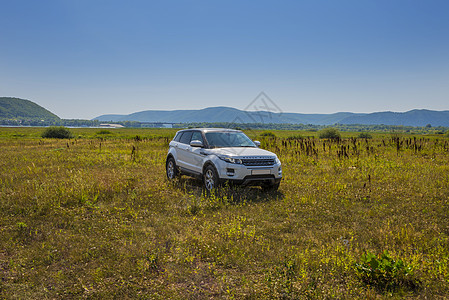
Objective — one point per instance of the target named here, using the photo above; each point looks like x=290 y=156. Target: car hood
x=241 y=152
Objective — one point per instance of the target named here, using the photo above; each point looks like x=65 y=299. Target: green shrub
x=57 y=133
x=329 y=133
x=268 y=134
x=104 y=131
x=384 y=272
x=365 y=135
x=295 y=137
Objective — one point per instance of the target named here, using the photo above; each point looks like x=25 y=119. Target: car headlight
x=277 y=161
x=230 y=159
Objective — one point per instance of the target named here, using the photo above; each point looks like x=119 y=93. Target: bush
x=295 y=137
x=268 y=134
x=329 y=133
x=365 y=135
x=104 y=131
x=57 y=133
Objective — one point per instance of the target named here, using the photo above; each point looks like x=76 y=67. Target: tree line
x=244 y=126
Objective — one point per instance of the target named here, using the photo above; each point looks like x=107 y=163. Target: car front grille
x=258 y=161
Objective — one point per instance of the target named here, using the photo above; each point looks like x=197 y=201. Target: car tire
x=271 y=187
x=171 y=168
x=210 y=178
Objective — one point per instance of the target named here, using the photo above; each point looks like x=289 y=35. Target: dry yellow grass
x=93 y=218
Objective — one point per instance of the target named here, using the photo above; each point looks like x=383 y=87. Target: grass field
x=95 y=217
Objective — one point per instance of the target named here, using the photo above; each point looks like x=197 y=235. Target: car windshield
x=228 y=139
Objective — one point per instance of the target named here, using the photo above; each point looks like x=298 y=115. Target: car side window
x=178 y=136
x=196 y=136
x=185 y=138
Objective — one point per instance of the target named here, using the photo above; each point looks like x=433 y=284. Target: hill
x=233 y=115
x=15 y=108
x=416 y=117
x=226 y=114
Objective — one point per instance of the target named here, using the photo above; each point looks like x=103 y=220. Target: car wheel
x=210 y=178
x=271 y=187
x=170 y=167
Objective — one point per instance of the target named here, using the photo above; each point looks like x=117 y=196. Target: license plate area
x=260 y=172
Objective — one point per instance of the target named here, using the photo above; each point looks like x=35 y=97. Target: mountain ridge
x=15 y=108
x=415 y=117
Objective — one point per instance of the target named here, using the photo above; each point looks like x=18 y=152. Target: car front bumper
x=250 y=175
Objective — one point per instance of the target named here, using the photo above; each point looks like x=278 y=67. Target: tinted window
x=185 y=138
x=197 y=136
x=178 y=136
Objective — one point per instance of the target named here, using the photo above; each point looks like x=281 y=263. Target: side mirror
x=257 y=143
x=196 y=143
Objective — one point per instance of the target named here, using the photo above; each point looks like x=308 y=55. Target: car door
x=195 y=155
x=183 y=149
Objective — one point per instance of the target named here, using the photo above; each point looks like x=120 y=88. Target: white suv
x=217 y=155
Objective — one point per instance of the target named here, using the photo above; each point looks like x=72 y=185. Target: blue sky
x=84 y=58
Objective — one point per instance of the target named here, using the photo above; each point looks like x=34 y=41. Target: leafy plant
x=57 y=133
x=384 y=272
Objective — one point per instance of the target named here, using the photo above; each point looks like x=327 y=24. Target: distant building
x=106 y=125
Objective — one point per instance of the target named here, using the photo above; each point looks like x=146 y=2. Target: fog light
x=230 y=172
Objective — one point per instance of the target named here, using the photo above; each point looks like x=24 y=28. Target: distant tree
x=57 y=133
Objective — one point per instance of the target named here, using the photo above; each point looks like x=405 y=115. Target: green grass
x=92 y=218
